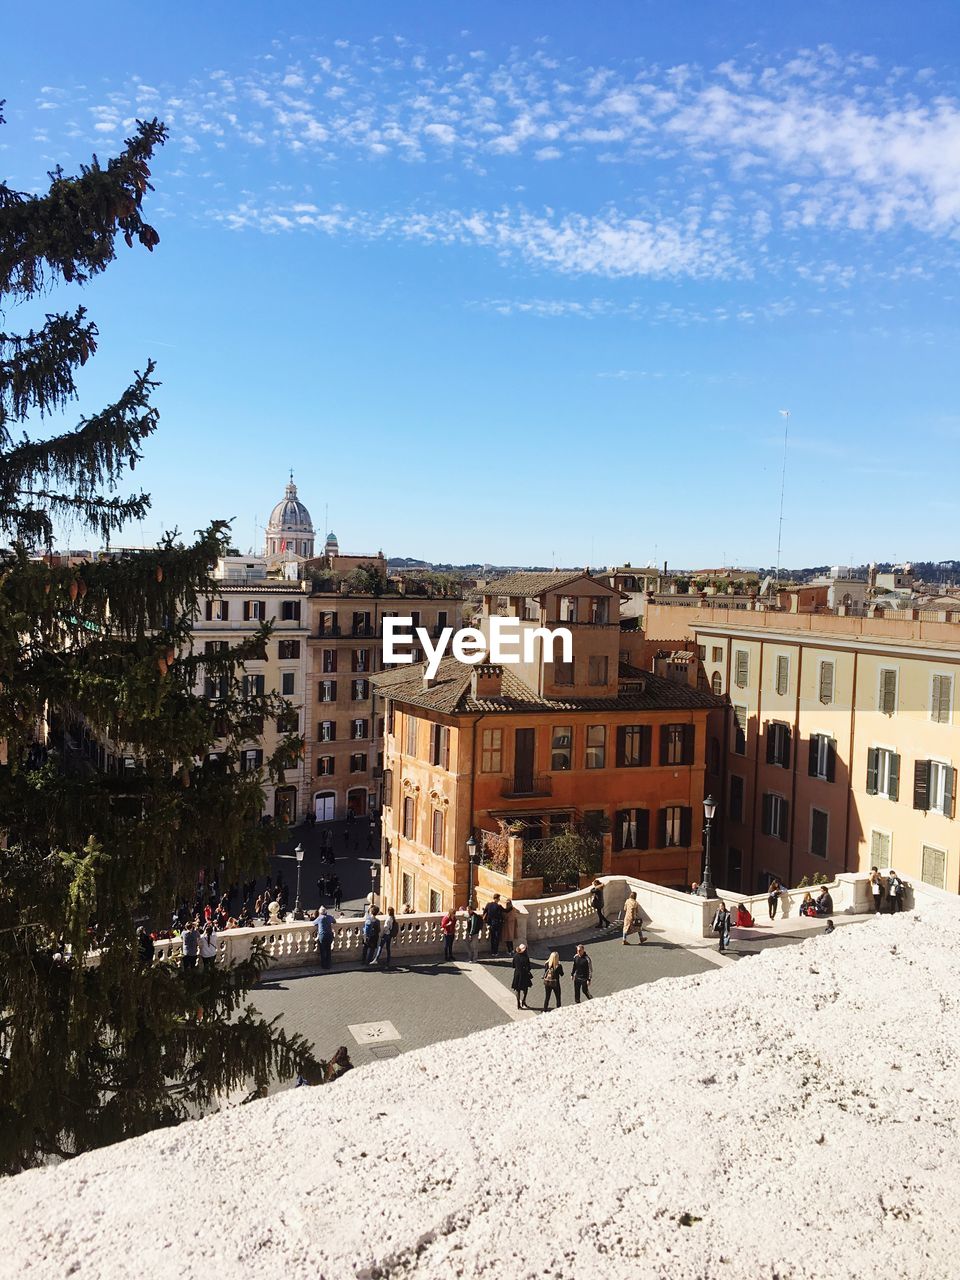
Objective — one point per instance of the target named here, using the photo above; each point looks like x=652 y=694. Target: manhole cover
x=374 y=1032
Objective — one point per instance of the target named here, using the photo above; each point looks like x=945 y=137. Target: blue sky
x=526 y=282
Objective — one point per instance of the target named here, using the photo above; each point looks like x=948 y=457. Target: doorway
x=325 y=806
x=357 y=801
x=524 y=740
x=285 y=804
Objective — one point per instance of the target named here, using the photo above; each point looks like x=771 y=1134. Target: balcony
x=363 y=630
x=521 y=788
x=328 y=629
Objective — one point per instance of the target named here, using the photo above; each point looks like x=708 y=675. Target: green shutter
x=894 y=792
x=873 y=756
x=921 y=784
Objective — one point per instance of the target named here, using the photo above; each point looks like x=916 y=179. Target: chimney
x=486 y=681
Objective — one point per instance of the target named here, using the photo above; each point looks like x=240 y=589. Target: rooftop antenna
x=785 y=415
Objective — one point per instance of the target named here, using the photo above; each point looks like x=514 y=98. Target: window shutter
x=224 y=610
x=894 y=792
x=664 y=743
x=766 y=823
x=888 y=692
x=646 y=744
x=921 y=784
x=814 y=755
x=689 y=743
x=784 y=819
x=661 y=828
x=208 y=607
x=787 y=734
x=949 y=791
x=246 y=610
x=831 y=760
x=686 y=825
x=643 y=828
x=621 y=744
x=619 y=823
x=782 y=674
x=826 y=682
x=940 y=701
x=873 y=756
x=742 y=668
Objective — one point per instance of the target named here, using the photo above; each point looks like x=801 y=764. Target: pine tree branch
x=37 y=369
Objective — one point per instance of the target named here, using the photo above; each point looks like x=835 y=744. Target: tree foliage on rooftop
x=91 y=1053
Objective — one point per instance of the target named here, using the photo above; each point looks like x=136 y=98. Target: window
x=361 y=624
x=442 y=616
x=597 y=670
x=736 y=797
x=561 y=747
x=252 y=686
x=819 y=832
x=491 y=751
x=328 y=730
x=288 y=682
x=776 y=812
x=359 y=730
x=633 y=745
x=215 y=687
x=568 y=608
x=325 y=767
x=933 y=867
x=702 y=652
x=436 y=833
x=388 y=788
x=288 y=722
x=675 y=827
x=359 y=690
x=823 y=758
x=409 y=816
x=440 y=746
x=778 y=744
x=716 y=683
x=941 y=699
x=741 y=668
x=883 y=773
x=596 y=752
x=361 y=659
x=716 y=653
x=218 y=610
x=934 y=787
x=740 y=730
x=358 y=762
x=250 y=760
x=599 y=610
x=436 y=901
x=826 y=683
x=329 y=661
x=328 y=624
x=880 y=850
x=406 y=889
x=676 y=743
x=288 y=649
x=327 y=690
x=411 y=735
x=631 y=830
x=254 y=610
x=211 y=647
x=783 y=673
x=290 y=611
x=887 y=693
x=563 y=673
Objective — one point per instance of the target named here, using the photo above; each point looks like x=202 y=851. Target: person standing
x=387 y=934
x=190 y=941
x=895 y=892
x=552 y=973
x=522 y=975
x=493 y=916
x=208 y=946
x=876 y=888
x=324 y=927
x=582 y=970
x=596 y=900
x=144 y=947
x=631 y=919
x=473 y=930
x=371 y=934
x=721 y=925
x=773 y=897
x=337 y=893
x=448 y=926
x=509 y=925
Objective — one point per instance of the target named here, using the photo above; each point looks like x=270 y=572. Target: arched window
x=716 y=683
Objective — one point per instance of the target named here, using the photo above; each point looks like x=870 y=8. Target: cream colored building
x=842 y=740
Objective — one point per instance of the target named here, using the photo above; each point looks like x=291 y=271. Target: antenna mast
x=785 y=414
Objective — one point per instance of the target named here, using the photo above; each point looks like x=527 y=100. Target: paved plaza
x=382 y=1013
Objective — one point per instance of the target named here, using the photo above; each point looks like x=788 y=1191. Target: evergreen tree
x=95 y=1047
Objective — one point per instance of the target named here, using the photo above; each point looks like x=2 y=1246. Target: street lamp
x=298 y=854
x=706 y=889
x=471 y=862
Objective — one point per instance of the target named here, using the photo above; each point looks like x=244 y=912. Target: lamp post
x=298 y=854
x=706 y=889
x=471 y=862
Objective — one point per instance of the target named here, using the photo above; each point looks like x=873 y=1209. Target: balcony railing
x=364 y=630
x=512 y=788
x=328 y=629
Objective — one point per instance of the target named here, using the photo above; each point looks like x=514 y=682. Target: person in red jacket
x=743 y=919
x=448 y=926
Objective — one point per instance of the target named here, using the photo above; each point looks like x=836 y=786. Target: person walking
x=190 y=941
x=582 y=970
x=522 y=975
x=337 y=890
x=631 y=919
x=371 y=934
x=324 y=927
x=552 y=973
x=773 y=897
x=509 y=933
x=493 y=918
x=895 y=892
x=876 y=888
x=474 y=928
x=208 y=946
x=596 y=901
x=721 y=925
x=448 y=926
x=388 y=932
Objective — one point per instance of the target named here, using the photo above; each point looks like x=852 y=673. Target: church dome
x=290 y=528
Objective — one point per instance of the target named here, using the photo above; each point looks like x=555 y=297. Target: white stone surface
x=373 y=1032
x=801 y=1107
